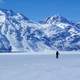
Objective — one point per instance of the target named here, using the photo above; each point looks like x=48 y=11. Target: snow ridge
x=18 y=33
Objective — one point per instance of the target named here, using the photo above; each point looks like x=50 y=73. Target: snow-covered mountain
x=18 y=33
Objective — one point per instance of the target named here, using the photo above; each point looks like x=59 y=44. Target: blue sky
x=39 y=9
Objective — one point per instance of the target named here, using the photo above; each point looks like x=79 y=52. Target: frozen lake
x=40 y=67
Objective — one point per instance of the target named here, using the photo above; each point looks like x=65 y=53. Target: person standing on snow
x=57 y=55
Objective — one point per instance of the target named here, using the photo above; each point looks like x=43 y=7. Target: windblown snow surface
x=40 y=67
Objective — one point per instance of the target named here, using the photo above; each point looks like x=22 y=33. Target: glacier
x=18 y=33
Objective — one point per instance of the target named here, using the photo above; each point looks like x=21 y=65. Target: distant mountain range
x=18 y=33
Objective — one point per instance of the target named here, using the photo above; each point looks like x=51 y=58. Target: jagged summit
x=18 y=33
x=10 y=13
x=56 y=18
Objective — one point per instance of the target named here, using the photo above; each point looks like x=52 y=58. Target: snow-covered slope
x=22 y=34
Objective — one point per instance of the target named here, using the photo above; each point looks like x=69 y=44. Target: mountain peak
x=56 y=18
x=11 y=13
x=18 y=33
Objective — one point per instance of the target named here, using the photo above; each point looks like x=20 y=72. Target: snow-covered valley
x=40 y=67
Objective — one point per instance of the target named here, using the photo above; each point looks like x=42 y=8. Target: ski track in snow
x=40 y=67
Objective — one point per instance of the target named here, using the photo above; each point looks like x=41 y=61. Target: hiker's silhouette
x=57 y=54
